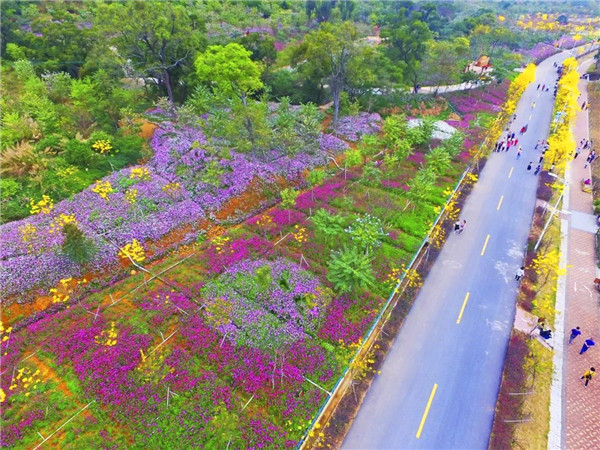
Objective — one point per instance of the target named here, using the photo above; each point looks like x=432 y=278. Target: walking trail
x=579 y=427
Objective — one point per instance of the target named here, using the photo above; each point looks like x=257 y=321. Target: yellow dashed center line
x=485 y=244
x=462 y=309
x=424 y=418
x=499 y=202
x=511 y=171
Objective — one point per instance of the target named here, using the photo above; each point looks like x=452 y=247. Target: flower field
x=180 y=186
x=235 y=340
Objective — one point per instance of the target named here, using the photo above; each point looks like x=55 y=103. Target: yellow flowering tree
x=546 y=267
x=561 y=143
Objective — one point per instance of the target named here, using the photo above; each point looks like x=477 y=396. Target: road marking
x=499 y=202
x=462 y=310
x=530 y=115
x=424 y=418
x=511 y=171
x=485 y=244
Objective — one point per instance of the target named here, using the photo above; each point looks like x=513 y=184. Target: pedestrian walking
x=587 y=375
x=577 y=152
x=529 y=166
x=537 y=144
x=543 y=87
x=583 y=106
x=520 y=273
x=457 y=226
x=586 y=345
x=538 y=88
x=537 y=169
x=512 y=136
x=532 y=105
x=590 y=158
x=516 y=142
x=574 y=333
x=519 y=153
x=541 y=158
x=525 y=128
x=463 y=224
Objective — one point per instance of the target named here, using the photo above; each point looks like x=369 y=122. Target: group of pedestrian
x=587 y=344
x=538 y=168
x=590 y=158
x=543 y=87
x=459 y=226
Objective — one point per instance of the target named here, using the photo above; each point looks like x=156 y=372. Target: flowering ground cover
x=352 y=128
x=542 y=51
x=237 y=345
x=248 y=321
x=181 y=185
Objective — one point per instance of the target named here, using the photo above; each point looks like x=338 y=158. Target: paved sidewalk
x=581 y=404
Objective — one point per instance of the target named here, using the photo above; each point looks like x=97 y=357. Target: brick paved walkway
x=582 y=405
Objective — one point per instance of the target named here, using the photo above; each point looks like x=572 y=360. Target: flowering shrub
x=102 y=146
x=45 y=205
x=140 y=173
x=134 y=250
x=265 y=304
x=103 y=189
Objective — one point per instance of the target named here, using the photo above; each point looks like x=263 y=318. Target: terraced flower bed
x=239 y=338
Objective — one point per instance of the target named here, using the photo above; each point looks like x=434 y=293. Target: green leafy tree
x=444 y=61
x=369 y=145
x=366 y=232
x=288 y=201
x=158 y=39
x=371 y=174
x=427 y=127
x=438 y=159
x=330 y=53
x=394 y=127
x=56 y=40
x=406 y=47
x=285 y=133
x=350 y=270
x=76 y=246
x=262 y=47
x=420 y=186
x=454 y=144
x=308 y=125
x=314 y=178
x=353 y=157
x=231 y=69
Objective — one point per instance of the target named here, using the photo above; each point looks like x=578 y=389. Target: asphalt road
x=440 y=380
